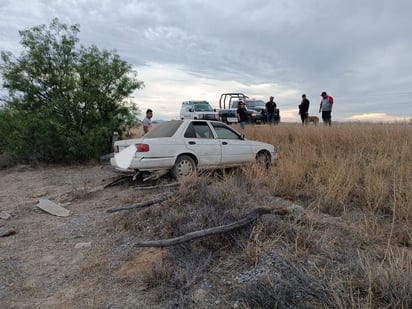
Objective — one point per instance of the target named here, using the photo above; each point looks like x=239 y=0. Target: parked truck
x=198 y=110
x=229 y=103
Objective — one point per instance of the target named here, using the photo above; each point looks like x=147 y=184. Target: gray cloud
x=359 y=51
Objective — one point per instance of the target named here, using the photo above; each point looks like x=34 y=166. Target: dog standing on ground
x=313 y=119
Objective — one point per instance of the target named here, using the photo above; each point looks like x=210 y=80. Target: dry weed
x=361 y=172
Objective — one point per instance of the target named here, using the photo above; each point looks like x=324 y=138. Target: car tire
x=263 y=159
x=184 y=166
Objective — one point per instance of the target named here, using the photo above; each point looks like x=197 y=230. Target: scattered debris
x=81 y=245
x=156 y=175
x=52 y=208
x=4 y=215
x=173 y=184
x=119 y=180
x=124 y=158
x=5 y=233
x=156 y=200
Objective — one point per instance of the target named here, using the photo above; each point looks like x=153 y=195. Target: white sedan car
x=184 y=146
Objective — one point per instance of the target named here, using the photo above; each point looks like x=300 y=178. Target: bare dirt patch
x=49 y=263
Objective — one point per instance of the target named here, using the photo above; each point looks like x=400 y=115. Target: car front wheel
x=263 y=159
x=184 y=166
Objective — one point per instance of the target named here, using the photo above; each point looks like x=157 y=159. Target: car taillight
x=116 y=149
x=142 y=147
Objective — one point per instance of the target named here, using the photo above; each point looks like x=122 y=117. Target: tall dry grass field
x=352 y=248
x=362 y=166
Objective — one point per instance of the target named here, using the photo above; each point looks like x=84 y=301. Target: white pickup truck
x=198 y=110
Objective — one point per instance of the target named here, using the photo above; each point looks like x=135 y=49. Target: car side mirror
x=190 y=110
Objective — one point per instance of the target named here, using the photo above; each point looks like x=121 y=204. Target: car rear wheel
x=184 y=166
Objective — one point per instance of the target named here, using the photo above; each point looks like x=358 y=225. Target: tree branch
x=157 y=200
x=246 y=220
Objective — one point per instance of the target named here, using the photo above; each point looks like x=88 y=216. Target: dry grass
x=363 y=166
x=361 y=173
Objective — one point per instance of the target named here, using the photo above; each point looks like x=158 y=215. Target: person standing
x=147 y=121
x=270 y=109
x=242 y=116
x=304 y=109
x=326 y=108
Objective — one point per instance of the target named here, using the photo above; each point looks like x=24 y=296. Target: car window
x=165 y=129
x=198 y=129
x=225 y=132
x=190 y=131
x=257 y=103
x=203 y=108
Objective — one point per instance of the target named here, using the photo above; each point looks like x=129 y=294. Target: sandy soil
x=79 y=261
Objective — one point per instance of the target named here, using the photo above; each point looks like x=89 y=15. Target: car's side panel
x=211 y=143
x=162 y=155
x=148 y=164
x=236 y=151
x=208 y=150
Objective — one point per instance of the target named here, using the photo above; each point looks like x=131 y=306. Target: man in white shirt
x=147 y=121
x=326 y=108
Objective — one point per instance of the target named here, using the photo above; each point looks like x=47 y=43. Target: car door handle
x=224 y=143
x=192 y=143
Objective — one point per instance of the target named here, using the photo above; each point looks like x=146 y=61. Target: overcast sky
x=359 y=51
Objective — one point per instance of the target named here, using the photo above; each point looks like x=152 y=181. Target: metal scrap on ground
x=52 y=208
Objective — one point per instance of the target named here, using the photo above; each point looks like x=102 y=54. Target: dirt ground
x=78 y=261
x=89 y=259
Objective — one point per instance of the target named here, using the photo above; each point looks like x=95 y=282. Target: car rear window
x=165 y=129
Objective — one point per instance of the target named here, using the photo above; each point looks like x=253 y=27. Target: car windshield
x=256 y=103
x=165 y=129
x=203 y=108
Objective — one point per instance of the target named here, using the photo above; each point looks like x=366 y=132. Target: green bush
x=64 y=101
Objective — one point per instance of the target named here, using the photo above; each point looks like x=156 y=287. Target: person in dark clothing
x=242 y=116
x=304 y=109
x=270 y=110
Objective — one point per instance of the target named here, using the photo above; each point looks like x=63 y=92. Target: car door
x=235 y=150
x=187 y=112
x=200 y=139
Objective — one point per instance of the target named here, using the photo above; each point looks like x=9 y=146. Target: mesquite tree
x=64 y=100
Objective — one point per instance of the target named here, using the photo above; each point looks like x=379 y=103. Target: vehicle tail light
x=116 y=149
x=142 y=147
